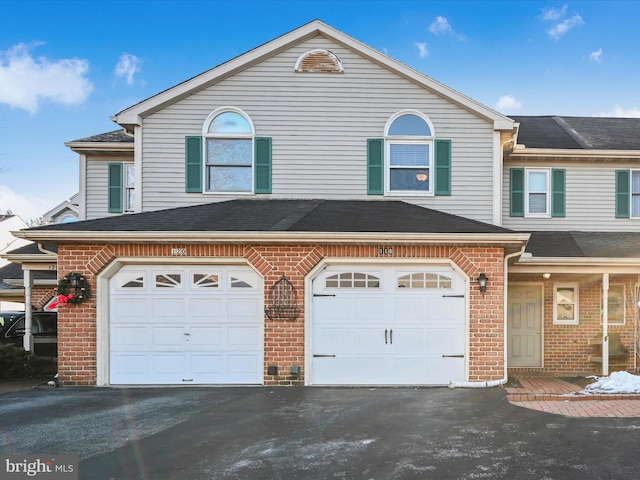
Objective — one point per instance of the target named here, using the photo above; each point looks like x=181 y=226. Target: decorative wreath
x=70 y=293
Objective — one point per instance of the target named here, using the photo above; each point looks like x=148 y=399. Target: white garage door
x=186 y=325
x=388 y=326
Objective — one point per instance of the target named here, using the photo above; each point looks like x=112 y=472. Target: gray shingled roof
x=288 y=215
x=586 y=133
x=116 y=136
x=585 y=244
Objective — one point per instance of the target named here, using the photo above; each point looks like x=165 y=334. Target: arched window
x=409 y=142
x=228 y=134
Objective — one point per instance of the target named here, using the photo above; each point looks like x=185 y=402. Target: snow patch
x=617 y=382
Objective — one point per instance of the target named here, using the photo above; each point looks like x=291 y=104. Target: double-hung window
x=537 y=198
x=537 y=192
x=229 y=152
x=565 y=304
x=409 y=140
x=121 y=187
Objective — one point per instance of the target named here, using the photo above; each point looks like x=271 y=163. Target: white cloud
x=423 y=51
x=596 y=56
x=441 y=26
x=560 y=29
x=25 y=81
x=553 y=14
x=508 y=102
x=618 y=111
x=26 y=207
x=128 y=65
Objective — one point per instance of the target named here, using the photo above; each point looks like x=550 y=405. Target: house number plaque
x=178 y=252
x=385 y=252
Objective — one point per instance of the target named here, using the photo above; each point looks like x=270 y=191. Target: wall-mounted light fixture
x=482 y=282
x=546 y=276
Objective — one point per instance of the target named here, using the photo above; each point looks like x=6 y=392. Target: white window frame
x=243 y=136
x=624 y=304
x=576 y=302
x=632 y=193
x=408 y=139
x=128 y=191
x=528 y=192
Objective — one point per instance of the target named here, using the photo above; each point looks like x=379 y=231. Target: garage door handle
x=453 y=296
x=323 y=356
x=452 y=356
x=391 y=336
x=385 y=336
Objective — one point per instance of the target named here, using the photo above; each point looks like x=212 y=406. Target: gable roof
x=344 y=221
x=586 y=133
x=133 y=115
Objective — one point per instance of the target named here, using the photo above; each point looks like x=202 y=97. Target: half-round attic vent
x=319 y=61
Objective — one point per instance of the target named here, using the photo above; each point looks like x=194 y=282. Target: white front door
x=524 y=326
x=388 y=326
x=186 y=325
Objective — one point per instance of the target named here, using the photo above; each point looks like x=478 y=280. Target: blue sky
x=67 y=66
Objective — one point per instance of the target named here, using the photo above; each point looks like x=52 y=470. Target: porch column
x=605 y=324
x=27 y=340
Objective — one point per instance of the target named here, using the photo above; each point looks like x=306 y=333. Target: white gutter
x=71 y=236
x=502 y=381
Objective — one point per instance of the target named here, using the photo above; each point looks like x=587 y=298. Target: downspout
x=502 y=381
x=605 y=324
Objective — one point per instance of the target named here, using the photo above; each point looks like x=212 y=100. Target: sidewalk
x=553 y=395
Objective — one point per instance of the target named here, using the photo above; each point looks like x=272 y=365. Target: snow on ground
x=617 y=382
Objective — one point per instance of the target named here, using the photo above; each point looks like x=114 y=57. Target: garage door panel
x=409 y=309
x=127 y=337
x=207 y=365
x=130 y=309
x=369 y=340
x=167 y=338
x=194 y=331
x=168 y=310
x=208 y=337
x=332 y=309
x=243 y=337
x=332 y=339
x=206 y=310
x=392 y=332
x=368 y=309
x=168 y=365
x=129 y=364
x=446 y=340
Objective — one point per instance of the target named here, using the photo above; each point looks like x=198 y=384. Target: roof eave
x=288 y=237
x=523 y=152
x=111 y=147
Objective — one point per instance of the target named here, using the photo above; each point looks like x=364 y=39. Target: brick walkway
x=552 y=395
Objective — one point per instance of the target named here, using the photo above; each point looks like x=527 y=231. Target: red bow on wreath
x=62 y=300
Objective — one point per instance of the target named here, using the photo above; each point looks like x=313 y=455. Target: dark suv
x=44 y=329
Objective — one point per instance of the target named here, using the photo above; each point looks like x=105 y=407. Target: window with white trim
x=537 y=198
x=635 y=193
x=616 y=304
x=352 y=280
x=409 y=157
x=228 y=135
x=424 y=280
x=565 y=304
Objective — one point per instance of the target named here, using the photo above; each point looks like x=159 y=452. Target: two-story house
x=315 y=212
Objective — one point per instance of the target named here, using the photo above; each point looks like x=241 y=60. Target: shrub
x=17 y=364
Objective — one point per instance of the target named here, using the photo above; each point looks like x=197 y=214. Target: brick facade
x=284 y=339
x=566 y=347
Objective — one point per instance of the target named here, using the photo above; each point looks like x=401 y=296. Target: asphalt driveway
x=312 y=433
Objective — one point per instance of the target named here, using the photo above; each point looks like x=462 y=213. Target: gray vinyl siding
x=590 y=199
x=96 y=185
x=319 y=124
